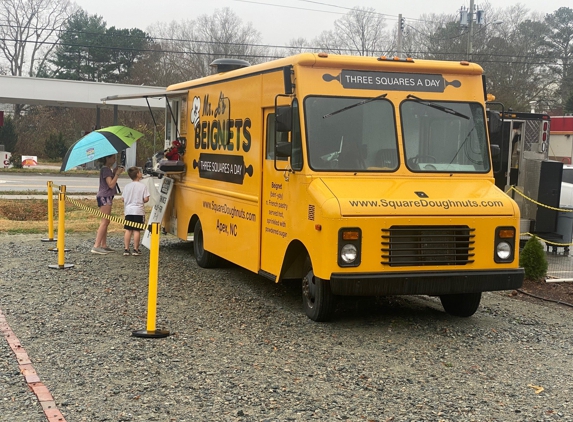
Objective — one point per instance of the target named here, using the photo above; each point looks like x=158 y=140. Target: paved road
x=39 y=182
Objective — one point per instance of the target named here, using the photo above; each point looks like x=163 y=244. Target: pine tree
x=55 y=146
x=89 y=51
x=533 y=260
x=8 y=136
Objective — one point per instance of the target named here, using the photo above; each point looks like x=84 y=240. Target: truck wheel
x=205 y=259
x=317 y=299
x=461 y=305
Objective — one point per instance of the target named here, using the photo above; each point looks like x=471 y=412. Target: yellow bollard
x=151 y=331
x=61 y=230
x=50 y=214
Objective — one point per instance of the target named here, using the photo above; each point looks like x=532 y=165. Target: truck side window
x=296 y=139
x=270 y=141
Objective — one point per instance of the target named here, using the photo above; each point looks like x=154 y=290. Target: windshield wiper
x=354 y=105
x=467 y=138
x=438 y=107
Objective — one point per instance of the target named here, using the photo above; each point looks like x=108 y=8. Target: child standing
x=135 y=195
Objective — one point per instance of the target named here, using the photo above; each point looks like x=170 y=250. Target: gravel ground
x=241 y=349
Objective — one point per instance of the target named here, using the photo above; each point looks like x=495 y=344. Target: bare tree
x=433 y=36
x=28 y=32
x=359 y=32
x=190 y=46
x=560 y=48
x=513 y=55
x=296 y=46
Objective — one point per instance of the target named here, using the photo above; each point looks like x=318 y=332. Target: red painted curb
x=32 y=379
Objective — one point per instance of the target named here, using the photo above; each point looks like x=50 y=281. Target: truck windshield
x=444 y=137
x=351 y=134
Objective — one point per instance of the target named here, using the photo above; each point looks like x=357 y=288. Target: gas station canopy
x=65 y=93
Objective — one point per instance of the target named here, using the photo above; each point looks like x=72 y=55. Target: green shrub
x=533 y=260
x=55 y=147
x=16 y=160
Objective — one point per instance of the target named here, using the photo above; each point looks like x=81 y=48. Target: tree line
x=527 y=57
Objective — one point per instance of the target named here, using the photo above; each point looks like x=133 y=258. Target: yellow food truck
x=357 y=175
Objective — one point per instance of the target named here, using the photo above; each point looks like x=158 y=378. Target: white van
x=567 y=187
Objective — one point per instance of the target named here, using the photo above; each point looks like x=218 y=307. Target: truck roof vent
x=225 y=65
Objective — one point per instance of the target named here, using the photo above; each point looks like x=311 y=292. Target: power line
x=155 y=39
x=233 y=44
x=289 y=7
x=539 y=60
x=347 y=8
x=274 y=56
x=391 y=17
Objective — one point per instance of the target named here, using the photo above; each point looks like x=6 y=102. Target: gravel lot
x=241 y=349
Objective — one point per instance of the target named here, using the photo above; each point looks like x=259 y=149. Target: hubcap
x=309 y=287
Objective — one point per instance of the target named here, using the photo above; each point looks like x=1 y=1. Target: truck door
x=276 y=200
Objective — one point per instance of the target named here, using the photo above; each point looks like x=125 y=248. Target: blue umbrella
x=98 y=144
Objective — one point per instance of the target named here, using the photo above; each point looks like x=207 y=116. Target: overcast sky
x=278 y=21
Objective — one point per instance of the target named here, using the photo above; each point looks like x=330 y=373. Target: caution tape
x=549 y=242
x=534 y=201
x=141 y=226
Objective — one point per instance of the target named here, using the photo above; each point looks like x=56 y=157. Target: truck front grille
x=404 y=246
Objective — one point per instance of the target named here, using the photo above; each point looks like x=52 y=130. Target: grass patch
x=30 y=216
x=24 y=210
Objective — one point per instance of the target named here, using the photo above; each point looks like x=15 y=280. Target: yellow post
x=151 y=331
x=50 y=214
x=61 y=230
x=153 y=274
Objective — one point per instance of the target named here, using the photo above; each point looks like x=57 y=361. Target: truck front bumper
x=425 y=283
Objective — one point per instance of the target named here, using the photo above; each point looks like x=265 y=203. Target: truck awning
x=153 y=94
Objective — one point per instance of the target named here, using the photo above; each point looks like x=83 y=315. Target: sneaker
x=136 y=252
x=99 y=251
x=107 y=248
x=126 y=252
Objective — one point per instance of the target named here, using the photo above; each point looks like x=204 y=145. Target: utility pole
x=470 y=29
x=400 y=30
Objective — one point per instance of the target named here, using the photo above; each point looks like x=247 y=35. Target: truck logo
x=214 y=128
x=388 y=81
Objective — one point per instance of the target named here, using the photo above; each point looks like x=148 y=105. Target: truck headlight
x=348 y=253
x=504 y=248
x=349 y=247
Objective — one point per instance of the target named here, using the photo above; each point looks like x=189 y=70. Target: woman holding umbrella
x=107 y=188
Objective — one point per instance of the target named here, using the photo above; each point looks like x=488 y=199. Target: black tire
x=317 y=298
x=461 y=305
x=205 y=259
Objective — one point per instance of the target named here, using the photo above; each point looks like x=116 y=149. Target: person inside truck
x=350 y=157
x=173 y=152
x=515 y=152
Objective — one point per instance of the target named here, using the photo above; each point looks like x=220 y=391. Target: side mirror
x=283 y=149
x=493 y=122
x=283 y=119
x=496 y=158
